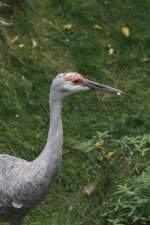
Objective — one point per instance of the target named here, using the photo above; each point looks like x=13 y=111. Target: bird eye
x=77 y=81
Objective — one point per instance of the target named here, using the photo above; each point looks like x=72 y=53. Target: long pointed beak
x=101 y=87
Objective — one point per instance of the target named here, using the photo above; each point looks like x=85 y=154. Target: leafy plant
x=130 y=203
x=3 y=3
x=128 y=157
x=95 y=143
x=25 y=5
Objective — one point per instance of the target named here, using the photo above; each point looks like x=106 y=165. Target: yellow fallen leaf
x=110 y=154
x=21 y=45
x=14 y=39
x=99 y=143
x=126 y=31
x=68 y=26
x=98 y=27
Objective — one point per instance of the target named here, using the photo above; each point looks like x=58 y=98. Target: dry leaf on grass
x=110 y=51
x=14 y=39
x=68 y=26
x=126 y=31
x=99 y=143
x=34 y=43
x=88 y=189
x=98 y=27
x=21 y=45
x=110 y=154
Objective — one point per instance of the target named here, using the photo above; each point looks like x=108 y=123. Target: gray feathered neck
x=52 y=151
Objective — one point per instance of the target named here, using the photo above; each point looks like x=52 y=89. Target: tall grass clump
x=130 y=202
x=8 y=6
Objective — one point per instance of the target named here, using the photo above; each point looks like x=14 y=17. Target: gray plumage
x=24 y=184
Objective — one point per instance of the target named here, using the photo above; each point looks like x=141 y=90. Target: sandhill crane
x=24 y=184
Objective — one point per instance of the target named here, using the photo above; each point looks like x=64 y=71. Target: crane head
x=72 y=82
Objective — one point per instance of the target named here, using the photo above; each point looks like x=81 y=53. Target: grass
x=26 y=74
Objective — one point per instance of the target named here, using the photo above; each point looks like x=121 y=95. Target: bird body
x=24 y=184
